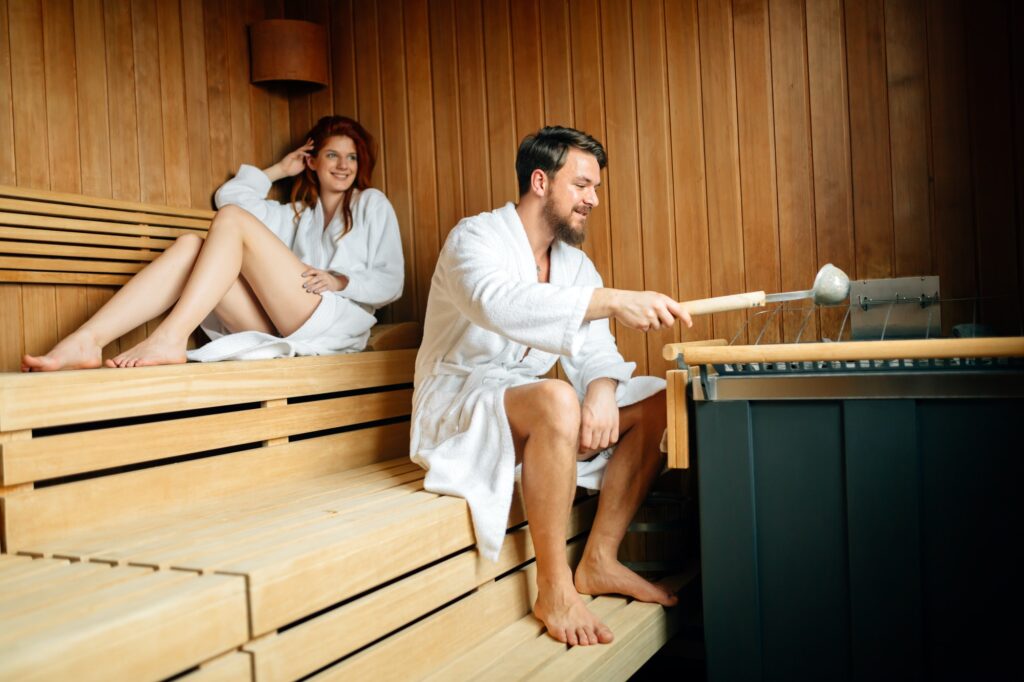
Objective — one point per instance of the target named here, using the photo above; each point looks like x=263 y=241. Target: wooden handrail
x=911 y=349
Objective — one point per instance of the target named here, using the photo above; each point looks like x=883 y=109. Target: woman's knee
x=231 y=217
x=186 y=247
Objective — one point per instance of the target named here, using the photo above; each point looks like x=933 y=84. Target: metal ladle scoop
x=831 y=286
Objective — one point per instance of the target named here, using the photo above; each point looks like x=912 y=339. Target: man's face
x=571 y=195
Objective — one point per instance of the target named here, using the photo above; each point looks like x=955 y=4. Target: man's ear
x=538 y=182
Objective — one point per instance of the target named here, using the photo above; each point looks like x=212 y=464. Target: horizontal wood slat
x=36 y=277
x=73 y=453
x=101 y=202
x=38 y=400
x=64 y=210
x=25 y=234
x=70 y=251
x=64 y=265
x=73 y=225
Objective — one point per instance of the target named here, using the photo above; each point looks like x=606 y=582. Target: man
x=510 y=295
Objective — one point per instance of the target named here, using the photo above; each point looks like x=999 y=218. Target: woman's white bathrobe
x=485 y=310
x=370 y=255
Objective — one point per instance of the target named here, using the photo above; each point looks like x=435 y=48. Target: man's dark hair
x=547 y=150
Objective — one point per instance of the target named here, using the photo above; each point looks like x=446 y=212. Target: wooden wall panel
x=8 y=175
x=750 y=141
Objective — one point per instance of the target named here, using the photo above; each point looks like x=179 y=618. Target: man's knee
x=558 y=408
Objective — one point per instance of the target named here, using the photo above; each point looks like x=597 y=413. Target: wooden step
x=83 y=622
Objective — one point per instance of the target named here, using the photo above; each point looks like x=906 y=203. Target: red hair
x=306 y=189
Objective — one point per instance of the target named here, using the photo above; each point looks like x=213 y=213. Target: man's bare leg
x=631 y=471
x=237 y=245
x=545 y=422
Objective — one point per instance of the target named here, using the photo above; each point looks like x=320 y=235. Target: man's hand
x=599 y=417
x=643 y=310
x=319 y=281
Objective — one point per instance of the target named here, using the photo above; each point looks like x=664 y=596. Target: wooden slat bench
x=273 y=501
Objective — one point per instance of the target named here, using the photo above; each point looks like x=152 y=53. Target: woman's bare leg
x=149 y=293
x=237 y=245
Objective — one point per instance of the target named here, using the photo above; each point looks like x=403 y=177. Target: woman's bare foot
x=155 y=350
x=77 y=351
x=567 y=618
x=594 y=576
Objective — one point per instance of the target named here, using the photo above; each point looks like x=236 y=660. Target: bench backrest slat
x=100 y=202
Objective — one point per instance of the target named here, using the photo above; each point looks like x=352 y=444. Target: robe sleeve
x=249 y=189
x=475 y=267
x=379 y=280
x=599 y=357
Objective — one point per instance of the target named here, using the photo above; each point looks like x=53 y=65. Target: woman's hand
x=319 y=281
x=292 y=163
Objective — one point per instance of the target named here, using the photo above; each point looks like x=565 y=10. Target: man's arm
x=643 y=310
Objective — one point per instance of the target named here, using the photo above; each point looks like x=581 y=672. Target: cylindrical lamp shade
x=288 y=50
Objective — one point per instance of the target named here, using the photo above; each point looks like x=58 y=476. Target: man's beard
x=561 y=227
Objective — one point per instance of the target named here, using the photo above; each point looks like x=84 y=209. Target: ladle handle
x=723 y=304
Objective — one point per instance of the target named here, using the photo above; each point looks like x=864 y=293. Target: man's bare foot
x=77 y=351
x=594 y=577
x=153 y=351
x=567 y=618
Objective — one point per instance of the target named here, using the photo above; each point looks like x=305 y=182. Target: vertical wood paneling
x=39 y=312
x=529 y=82
x=906 y=52
x=123 y=124
x=197 y=105
x=8 y=175
x=31 y=149
x=623 y=171
x=93 y=119
x=237 y=40
x=172 y=98
x=725 y=217
x=473 y=107
x=444 y=71
x=953 y=222
x=343 y=59
x=555 y=50
x=61 y=97
x=757 y=157
x=147 y=99
x=794 y=178
x=395 y=135
x=689 y=186
x=830 y=139
x=368 y=81
x=656 y=208
x=988 y=59
x=869 y=134
x=425 y=245
x=12 y=337
x=501 y=138
x=217 y=88
x=588 y=104
x=750 y=141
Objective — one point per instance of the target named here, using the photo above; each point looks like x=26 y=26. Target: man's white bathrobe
x=370 y=255
x=491 y=325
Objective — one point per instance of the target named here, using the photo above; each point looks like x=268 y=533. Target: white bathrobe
x=370 y=255
x=485 y=309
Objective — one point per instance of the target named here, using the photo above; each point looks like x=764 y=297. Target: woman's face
x=335 y=164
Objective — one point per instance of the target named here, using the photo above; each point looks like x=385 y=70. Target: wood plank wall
x=750 y=141
x=147 y=100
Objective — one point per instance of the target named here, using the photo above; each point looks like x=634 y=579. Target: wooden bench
x=259 y=520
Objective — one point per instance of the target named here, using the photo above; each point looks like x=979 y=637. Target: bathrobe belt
x=475 y=378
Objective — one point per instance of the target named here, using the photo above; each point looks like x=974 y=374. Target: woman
x=270 y=279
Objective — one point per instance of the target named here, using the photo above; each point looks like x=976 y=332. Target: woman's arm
x=379 y=281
